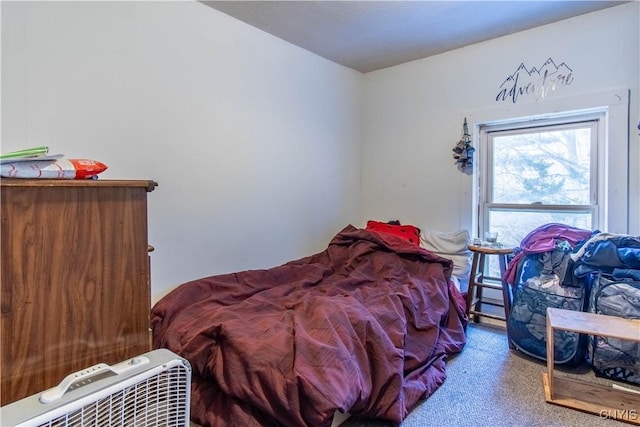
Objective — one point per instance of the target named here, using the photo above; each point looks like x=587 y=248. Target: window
x=536 y=172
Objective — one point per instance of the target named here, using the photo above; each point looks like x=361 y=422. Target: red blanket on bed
x=364 y=326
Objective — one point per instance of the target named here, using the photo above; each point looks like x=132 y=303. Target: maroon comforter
x=364 y=326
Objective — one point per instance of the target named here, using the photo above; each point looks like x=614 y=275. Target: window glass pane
x=545 y=167
x=513 y=226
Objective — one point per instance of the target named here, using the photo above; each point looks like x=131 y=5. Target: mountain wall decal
x=534 y=81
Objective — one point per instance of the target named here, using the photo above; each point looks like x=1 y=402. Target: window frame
x=596 y=120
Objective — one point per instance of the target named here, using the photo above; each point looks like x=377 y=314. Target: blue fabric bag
x=614 y=261
x=542 y=282
x=612 y=357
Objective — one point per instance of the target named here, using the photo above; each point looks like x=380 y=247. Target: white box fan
x=152 y=389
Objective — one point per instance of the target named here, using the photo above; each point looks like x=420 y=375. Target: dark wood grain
x=75 y=279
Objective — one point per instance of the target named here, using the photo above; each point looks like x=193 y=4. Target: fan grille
x=161 y=400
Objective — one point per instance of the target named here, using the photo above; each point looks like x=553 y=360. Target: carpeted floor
x=490 y=385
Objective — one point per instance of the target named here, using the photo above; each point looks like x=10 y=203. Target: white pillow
x=452 y=245
x=453 y=242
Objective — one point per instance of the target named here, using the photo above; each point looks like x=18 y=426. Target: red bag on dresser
x=53 y=169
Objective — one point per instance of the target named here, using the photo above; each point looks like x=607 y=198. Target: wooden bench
x=599 y=399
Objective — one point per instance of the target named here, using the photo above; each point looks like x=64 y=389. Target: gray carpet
x=490 y=385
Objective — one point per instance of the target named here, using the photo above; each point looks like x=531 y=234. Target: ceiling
x=371 y=35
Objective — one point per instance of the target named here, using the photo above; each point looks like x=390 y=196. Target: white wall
x=254 y=142
x=413 y=114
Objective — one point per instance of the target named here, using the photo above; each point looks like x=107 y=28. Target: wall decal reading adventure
x=535 y=81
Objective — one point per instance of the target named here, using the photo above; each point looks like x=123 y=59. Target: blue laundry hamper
x=610 y=357
x=534 y=292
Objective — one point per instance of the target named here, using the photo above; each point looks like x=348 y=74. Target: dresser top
x=26 y=182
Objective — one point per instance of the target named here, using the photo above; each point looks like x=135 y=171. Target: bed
x=363 y=327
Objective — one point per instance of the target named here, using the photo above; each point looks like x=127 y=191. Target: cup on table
x=491 y=236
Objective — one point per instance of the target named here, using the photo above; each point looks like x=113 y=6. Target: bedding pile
x=364 y=327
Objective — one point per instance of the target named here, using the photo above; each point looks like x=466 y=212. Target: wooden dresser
x=75 y=279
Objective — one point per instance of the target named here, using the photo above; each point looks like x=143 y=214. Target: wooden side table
x=477 y=282
x=599 y=399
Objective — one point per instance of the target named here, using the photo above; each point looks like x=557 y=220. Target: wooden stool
x=477 y=283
